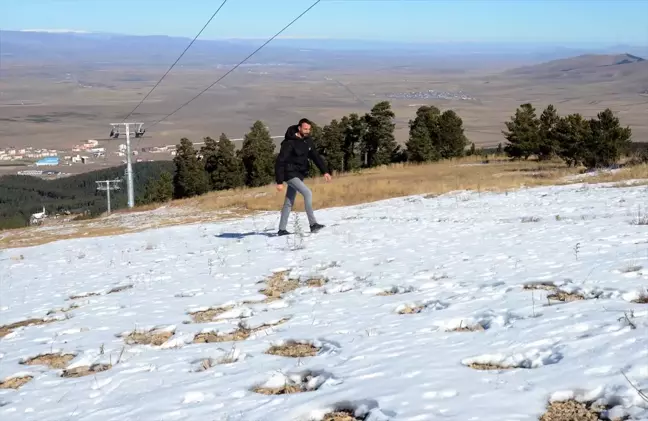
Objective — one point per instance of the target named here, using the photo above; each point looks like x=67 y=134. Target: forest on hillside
x=20 y=196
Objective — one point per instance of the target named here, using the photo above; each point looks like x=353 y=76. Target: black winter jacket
x=293 y=157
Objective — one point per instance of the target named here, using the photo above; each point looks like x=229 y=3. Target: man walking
x=292 y=167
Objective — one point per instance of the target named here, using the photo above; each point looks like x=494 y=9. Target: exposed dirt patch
x=155 y=338
x=7 y=329
x=278 y=284
x=572 y=410
x=15 y=382
x=293 y=349
x=208 y=315
x=340 y=416
x=86 y=370
x=119 y=289
x=564 y=296
x=56 y=361
x=240 y=334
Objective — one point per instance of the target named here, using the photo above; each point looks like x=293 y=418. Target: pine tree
x=571 y=133
x=523 y=133
x=229 y=172
x=547 y=143
x=419 y=146
x=451 y=139
x=499 y=149
x=208 y=153
x=355 y=129
x=158 y=190
x=332 y=145
x=257 y=155
x=379 y=141
x=190 y=178
x=607 y=141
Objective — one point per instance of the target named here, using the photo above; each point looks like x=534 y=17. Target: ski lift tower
x=107 y=186
x=136 y=128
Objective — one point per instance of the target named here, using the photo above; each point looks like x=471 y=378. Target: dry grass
x=283 y=390
x=477 y=327
x=572 y=410
x=89 y=294
x=340 y=416
x=488 y=366
x=565 y=296
x=147 y=338
x=208 y=315
x=643 y=299
x=120 y=289
x=240 y=334
x=412 y=309
x=278 y=284
x=7 y=329
x=316 y=282
x=293 y=350
x=15 y=382
x=347 y=189
x=546 y=287
x=56 y=361
x=86 y=370
x=64 y=309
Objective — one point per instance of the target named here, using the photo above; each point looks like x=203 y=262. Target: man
x=292 y=167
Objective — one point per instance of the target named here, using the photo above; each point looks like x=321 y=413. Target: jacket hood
x=291 y=132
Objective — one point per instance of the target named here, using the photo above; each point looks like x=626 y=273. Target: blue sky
x=566 y=22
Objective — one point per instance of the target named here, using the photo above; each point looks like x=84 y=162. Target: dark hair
x=304 y=120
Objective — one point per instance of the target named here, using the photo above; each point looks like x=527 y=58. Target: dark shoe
x=282 y=232
x=316 y=227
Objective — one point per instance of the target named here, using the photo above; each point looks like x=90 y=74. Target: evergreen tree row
x=593 y=143
x=364 y=141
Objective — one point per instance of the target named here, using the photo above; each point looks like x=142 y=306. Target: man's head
x=304 y=127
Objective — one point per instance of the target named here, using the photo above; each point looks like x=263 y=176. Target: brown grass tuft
x=489 y=366
x=544 y=286
x=477 y=327
x=570 y=410
x=7 y=329
x=208 y=315
x=565 y=296
x=85 y=370
x=240 y=334
x=283 y=390
x=120 y=289
x=340 y=416
x=293 y=350
x=316 y=282
x=89 y=294
x=412 y=309
x=147 y=338
x=51 y=360
x=643 y=299
x=278 y=284
x=15 y=382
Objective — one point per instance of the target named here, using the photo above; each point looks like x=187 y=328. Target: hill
x=20 y=196
x=462 y=306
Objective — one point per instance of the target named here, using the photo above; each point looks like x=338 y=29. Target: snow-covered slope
x=398 y=276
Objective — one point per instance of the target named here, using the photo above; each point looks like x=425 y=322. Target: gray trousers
x=296 y=185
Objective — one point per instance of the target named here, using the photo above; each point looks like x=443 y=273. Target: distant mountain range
x=65 y=46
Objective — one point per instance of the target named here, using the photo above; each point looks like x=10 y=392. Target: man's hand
x=279 y=187
x=327 y=177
